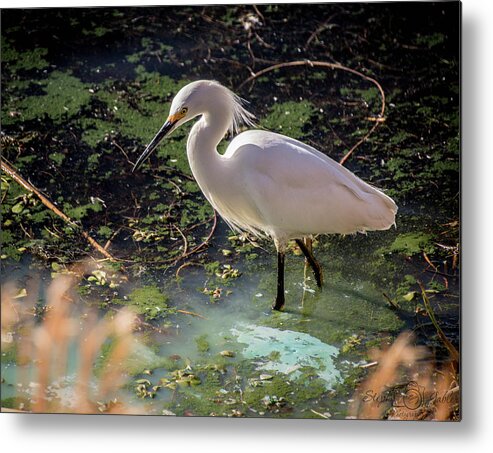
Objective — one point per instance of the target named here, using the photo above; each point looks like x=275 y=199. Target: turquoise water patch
x=286 y=351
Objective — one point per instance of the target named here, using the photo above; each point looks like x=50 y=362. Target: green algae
x=64 y=96
x=97 y=32
x=58 y=158
x=19 y=207
x=202 y=343
x=430 y=41
x=26 y=60
x=139 y=116
x=148 y=301
x=369 y=95
x=81 y=211
x=348 y=304
x=225 y=391
x=289 y=118
x=95 y=131
x=410 y=244
x=129 y=121
x=16 y=402
x=150 y=48
x=141 y=357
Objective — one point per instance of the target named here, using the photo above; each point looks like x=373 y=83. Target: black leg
x=317 y=269
x=279 y=303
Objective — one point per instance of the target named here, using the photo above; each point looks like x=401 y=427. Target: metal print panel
x=234 y=211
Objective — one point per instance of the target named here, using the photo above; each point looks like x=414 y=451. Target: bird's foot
x=311 y=261
x=278 y=304
x=319 y=276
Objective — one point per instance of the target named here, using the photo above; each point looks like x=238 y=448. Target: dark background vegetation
x=410 y=48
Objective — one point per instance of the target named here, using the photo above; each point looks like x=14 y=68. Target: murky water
x=244 y=358
x=244 y=348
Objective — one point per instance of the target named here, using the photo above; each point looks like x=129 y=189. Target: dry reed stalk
x=113 y=378
x=404 y=387
x=44 y=346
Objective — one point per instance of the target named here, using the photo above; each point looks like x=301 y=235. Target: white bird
x=268 y=184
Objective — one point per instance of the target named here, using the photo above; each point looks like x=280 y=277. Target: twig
x=451 y=348
x=29 y=187
x=197 y=225
x=250 y=51
x=176 y=186
x=108 y=242
x=203 y=244
x=123 y=151
x=341 y=67
x=187 y=264
x=392 y=303
x=319 y=414
x=185 y=242
x=51 y=232
x=369 y=365
x=337 y=135
x=320 y=29
x=264 y=43
x=255 y=7
x=425 y=256
x=191 y=313
x=25 y=232
x=175 y=260
x=443 y=274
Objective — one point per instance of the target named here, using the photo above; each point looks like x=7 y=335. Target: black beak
x=165 y=130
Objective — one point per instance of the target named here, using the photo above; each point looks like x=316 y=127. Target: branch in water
x=7 y=168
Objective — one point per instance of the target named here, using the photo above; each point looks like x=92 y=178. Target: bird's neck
x=203 y=140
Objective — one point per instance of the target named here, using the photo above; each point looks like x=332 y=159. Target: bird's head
x=195 y=99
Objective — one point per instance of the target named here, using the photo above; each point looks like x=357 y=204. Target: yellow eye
x=184 y=110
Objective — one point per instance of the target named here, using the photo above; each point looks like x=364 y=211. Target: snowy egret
x=268 y=184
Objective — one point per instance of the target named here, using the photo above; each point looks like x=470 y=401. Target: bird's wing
x=291 y=163
x=288 y=179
